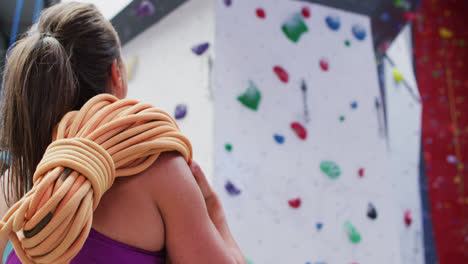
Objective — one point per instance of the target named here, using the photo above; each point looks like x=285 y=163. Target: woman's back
x=69 y=59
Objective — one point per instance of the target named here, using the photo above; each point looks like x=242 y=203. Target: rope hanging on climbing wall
x=107 y=138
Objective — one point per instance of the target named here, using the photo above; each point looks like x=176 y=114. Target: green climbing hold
x=342 y=118
x=347 y=43
x=331 y=169
x=251 y=97
x=294 y=27
x=228 y=147
x=462 y=43
x=353 y=234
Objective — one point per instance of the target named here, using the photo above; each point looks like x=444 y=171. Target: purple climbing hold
x=200 y=48
x=180 y=111
x=227 y=2
x=144 y=8
x=231 y=189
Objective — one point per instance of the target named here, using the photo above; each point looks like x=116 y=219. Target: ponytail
x=39 y=87
x=62 y=62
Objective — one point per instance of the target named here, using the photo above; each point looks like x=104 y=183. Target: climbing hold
x=410 y=16
x=228 y=147
x=361 y=172
x=131 y=66
x=278 y=138
x=324 y=64
x=144 y=8
x=260 y=13
x=180 y=111
x=402 y=4
x=371 y=211
x=359 y=32
x=294 y=27
x=331 y=169
x=281 y=73
x=333 y=22
x=347 y=43
x=342 y=118
x=295 y=203
x=354 y=105
x=408 y=219
x=231 y=189
x=353 y=234
x=385 y=17
x=305 y=12
x=251 y=97
x=397 y=75
x=300 y=130
x=451 y=159
x=319 y=225
x=227 y=2
x=445 y=32
x=200 y=48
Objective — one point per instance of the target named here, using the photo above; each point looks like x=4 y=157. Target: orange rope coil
x=107 y=138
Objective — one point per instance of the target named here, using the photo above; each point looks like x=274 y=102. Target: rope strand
x=107 y=138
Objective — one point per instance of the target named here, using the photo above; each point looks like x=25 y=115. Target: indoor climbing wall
x=169 y=65
x=403 y=105
x=441 y=57
x=301 y=160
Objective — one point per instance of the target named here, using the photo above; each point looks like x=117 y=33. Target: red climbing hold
x=295 y=203
x=324 y=64
x=361 y=172
x=305 y=12
x=260 y=13
x=281 y=73
x=408 y=218
x=299 y=129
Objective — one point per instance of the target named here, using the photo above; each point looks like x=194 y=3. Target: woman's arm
x=216 y=211
x=191 y=235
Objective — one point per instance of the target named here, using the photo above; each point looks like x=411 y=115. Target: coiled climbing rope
x=107 y=138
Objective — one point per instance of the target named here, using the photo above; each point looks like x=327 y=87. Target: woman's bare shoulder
x=168 y=170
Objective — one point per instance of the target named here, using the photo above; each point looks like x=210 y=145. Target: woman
x=167 y=211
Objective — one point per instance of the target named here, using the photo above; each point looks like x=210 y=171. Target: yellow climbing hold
x=131 y=65
x=445 y=32
x=397 y=75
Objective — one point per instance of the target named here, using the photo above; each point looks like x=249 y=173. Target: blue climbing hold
x=319 y=226
x=333 y=22
x=278 y=138
x=359 y=32
x=385 y=17
x=354 y=105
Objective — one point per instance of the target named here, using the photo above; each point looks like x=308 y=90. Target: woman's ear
x=118 y=80
x=116 y=77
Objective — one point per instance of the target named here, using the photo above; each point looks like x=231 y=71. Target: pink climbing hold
x=260 y=13
x=408 y=218
x=281 y=73
x=361 y=172
x=305 y=12
x=300 y=130
x=295 y=203
x=324 y=64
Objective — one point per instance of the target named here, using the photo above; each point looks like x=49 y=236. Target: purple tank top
x=99 y=248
